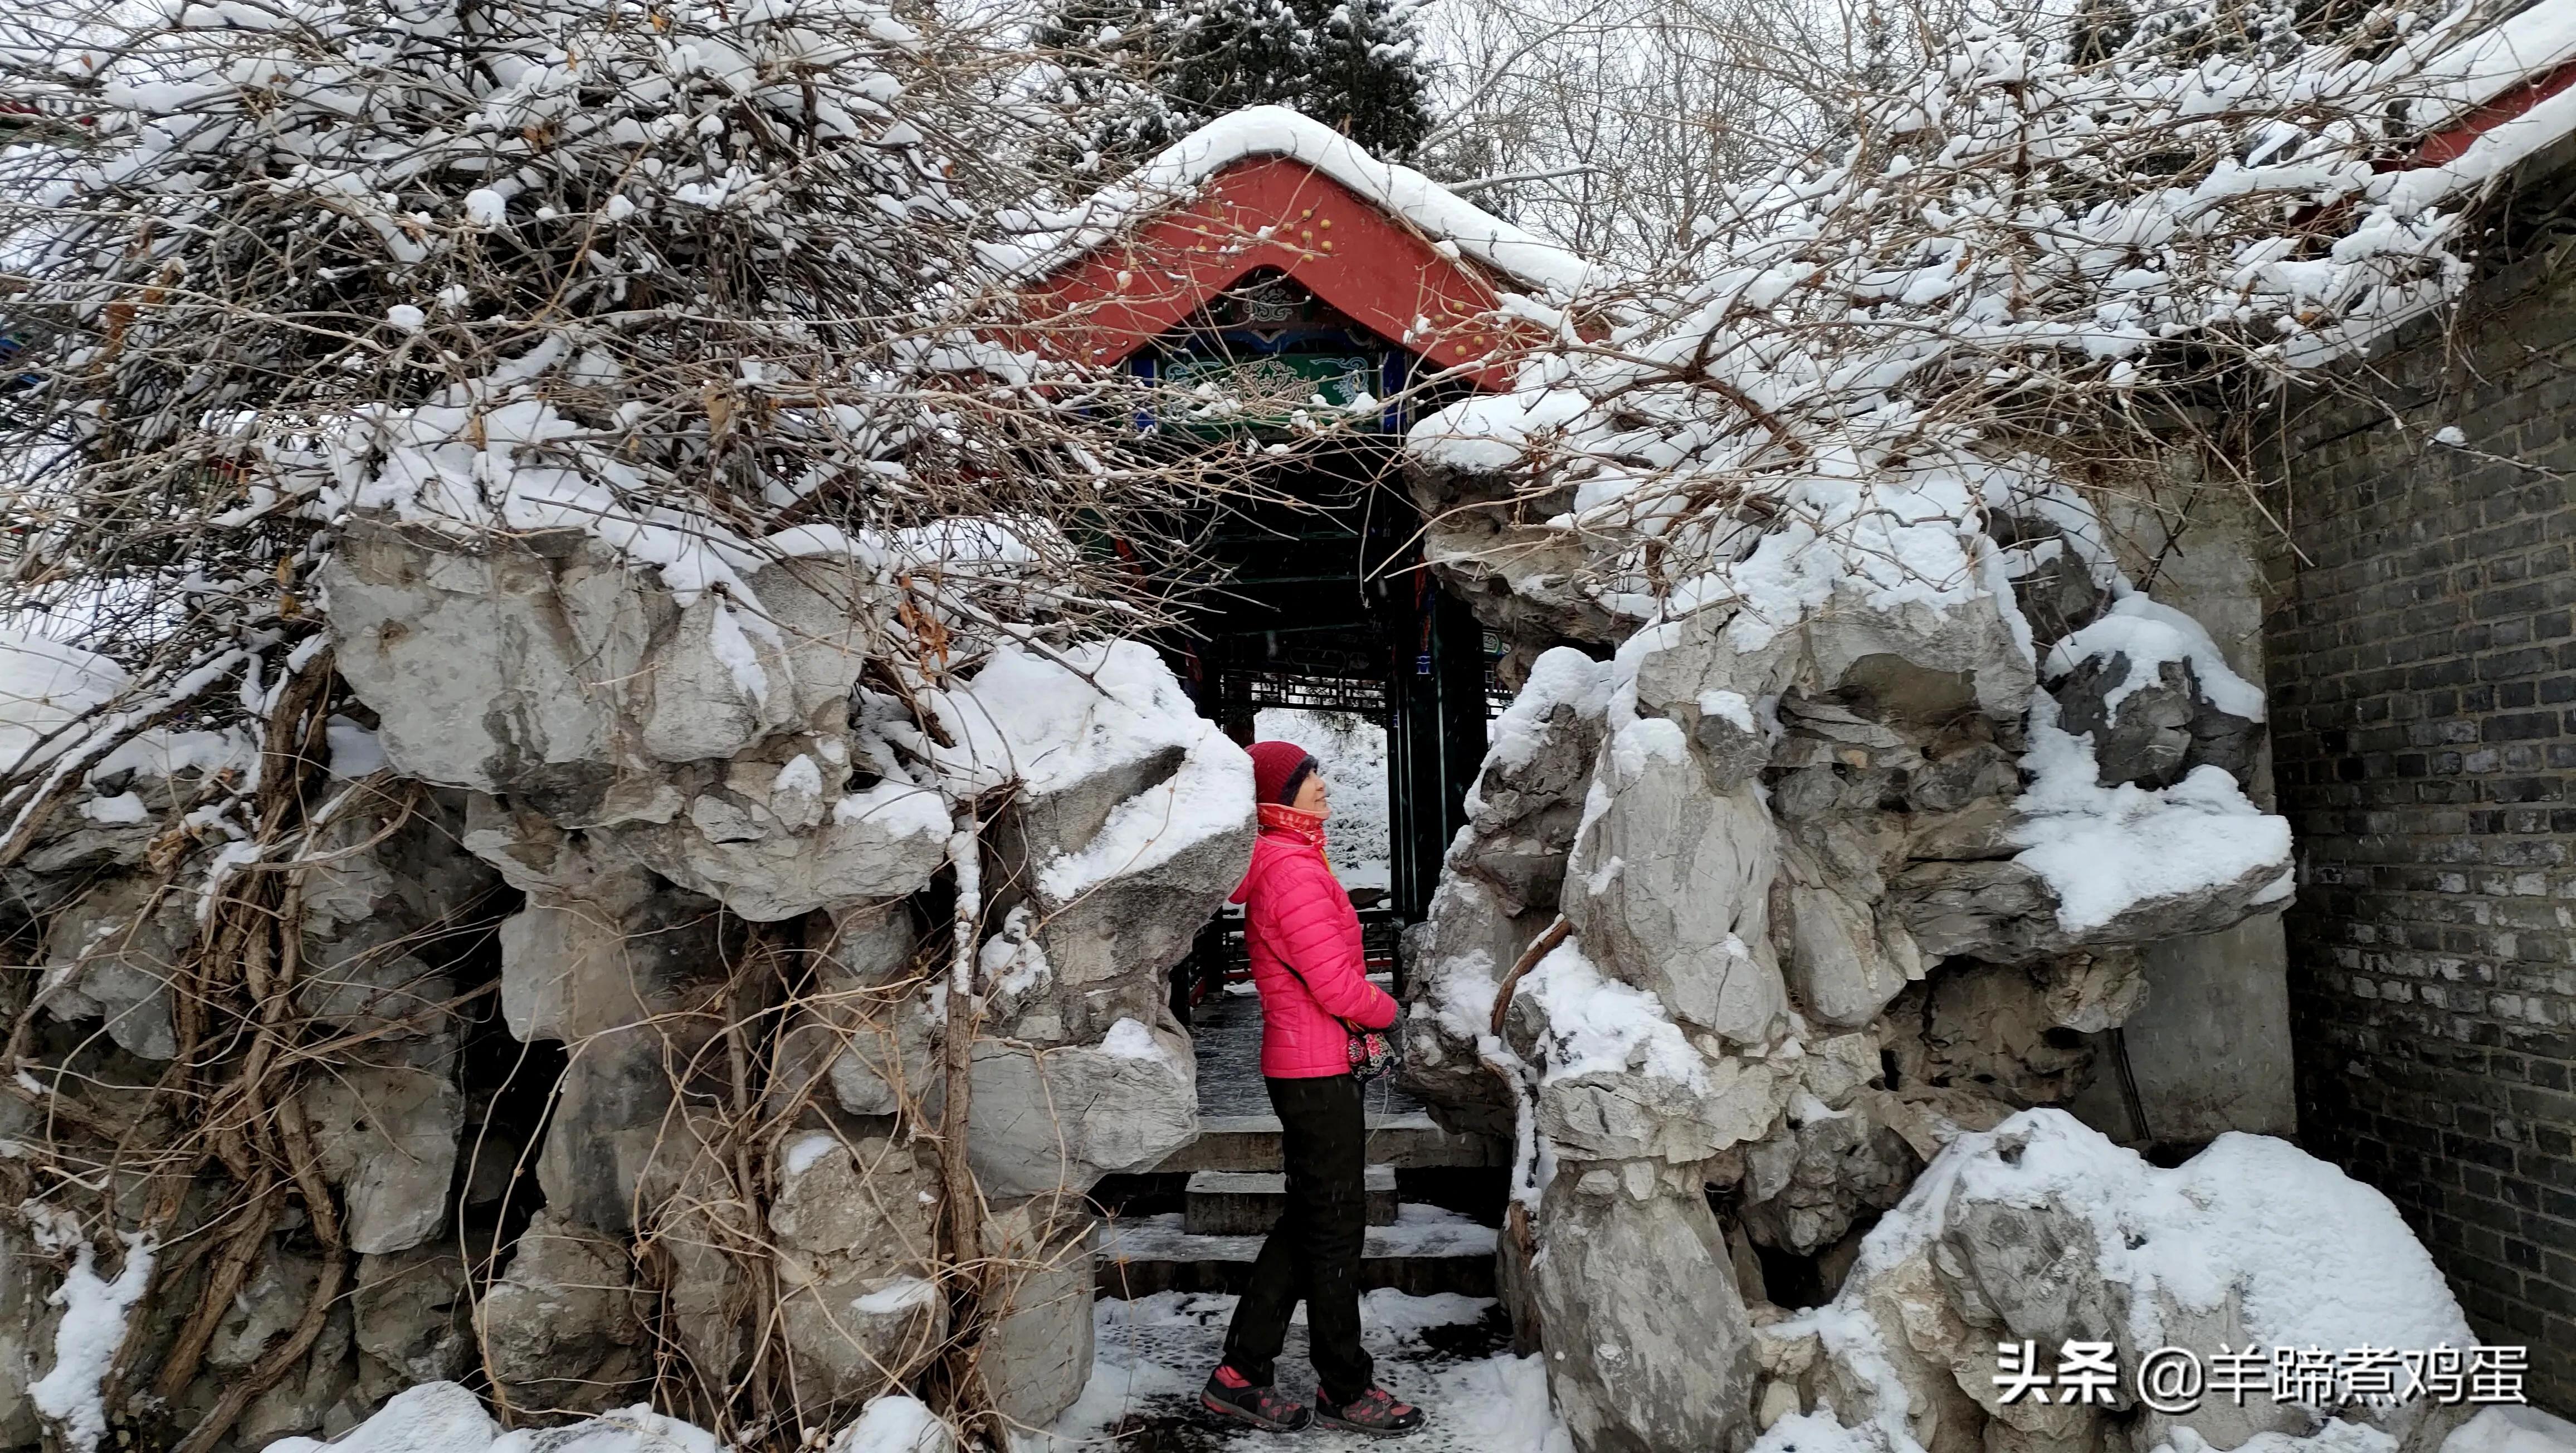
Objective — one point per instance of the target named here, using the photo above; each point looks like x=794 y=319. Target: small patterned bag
x=1372 y=1053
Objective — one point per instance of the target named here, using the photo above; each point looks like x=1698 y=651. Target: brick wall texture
x=2423 y=680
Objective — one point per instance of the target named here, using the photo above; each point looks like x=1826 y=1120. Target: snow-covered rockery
x=720 y=897
x=1765 y=906
x=1851 y=775
x=1757 y=912
x=678 y=277
x=692 y=922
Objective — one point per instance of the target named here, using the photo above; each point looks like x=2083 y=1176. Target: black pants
x=1313 y=1253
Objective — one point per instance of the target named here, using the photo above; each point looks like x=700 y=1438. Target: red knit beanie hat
x=1276 y=773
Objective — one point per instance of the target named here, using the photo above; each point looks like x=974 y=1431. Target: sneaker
x=1229 y=1393
x=1375 y=1412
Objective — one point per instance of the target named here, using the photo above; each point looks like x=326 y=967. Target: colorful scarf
x=1280 y=817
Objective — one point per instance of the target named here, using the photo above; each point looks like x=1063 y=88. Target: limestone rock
x=2042 y=1230
x=1649 y=1344
x=770 y=854
x=620 y=968
x=1909 y=659
x=504 y=664
x=374 y=898
x=26 y=1337
x=413 y=1320
x=1483 y=540
x=1504 y=876
x=299 y=1401
x=1038 y=1351
x=1132 y=824
x=1454 y=961
x=1527 y=800
x=271 y=1299
x=701 y=704
x=1060 y=1119
x=1804 y=1187
x=564 y=1326
x=389 y=1135
x=1842 y=957
x=869 y=1043
x=1669 y=886
x=1985 y=1028
x=1626 y=1116
x=854 y=1221
x=2155 y=734
x=111 y=953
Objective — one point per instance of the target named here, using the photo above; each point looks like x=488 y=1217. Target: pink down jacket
x=1295 y=912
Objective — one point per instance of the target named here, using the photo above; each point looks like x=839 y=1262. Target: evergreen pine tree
x=1368 y=81
x=1137 y=75
x=1109 y=55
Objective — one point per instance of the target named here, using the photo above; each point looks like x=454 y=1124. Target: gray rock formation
x=564 y=1326
x=1809 y=942
x=854 y=1223
x=1650 y=1344
x=2027 y=1232
x=1669 y=884
x=1048 y=1120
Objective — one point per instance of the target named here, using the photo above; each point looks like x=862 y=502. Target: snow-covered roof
x=1055 y=240
x=2493 y=101
x=2493 y=61
x=2486 y=106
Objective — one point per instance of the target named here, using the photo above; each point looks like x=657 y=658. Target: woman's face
x=1311 y=796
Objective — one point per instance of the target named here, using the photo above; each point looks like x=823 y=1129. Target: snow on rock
x=434 y=1417
x=1596 y=1024
x=46 y=685
x=85 y=1342
x=2147 y=634
x=895 y=1424
x=1132 y=822
x=1128 y=1039
x=444 y=1417
x=2512 y=1430
x=2042 y=1229
x=2114 y=853
x=1113 y=714
x=1560 y=677
x=2306 y=1255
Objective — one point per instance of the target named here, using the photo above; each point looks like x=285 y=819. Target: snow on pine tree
x=1136 y=75
x=1369 y=82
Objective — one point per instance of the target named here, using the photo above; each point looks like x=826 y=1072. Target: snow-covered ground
x=1353 y=751
x=1152 y=1355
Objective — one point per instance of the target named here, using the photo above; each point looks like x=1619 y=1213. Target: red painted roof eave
x=1275 y=212
x=2452 y=141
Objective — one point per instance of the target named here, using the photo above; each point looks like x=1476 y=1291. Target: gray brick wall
x=2423 y=681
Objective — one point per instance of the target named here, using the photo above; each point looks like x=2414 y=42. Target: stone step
x=1247 y=1203
x=1427 y=1250
x=1407 y=1142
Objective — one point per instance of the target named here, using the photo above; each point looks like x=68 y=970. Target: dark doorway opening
x=1321 y=601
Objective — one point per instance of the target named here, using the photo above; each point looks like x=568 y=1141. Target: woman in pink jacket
x=1306 y=961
